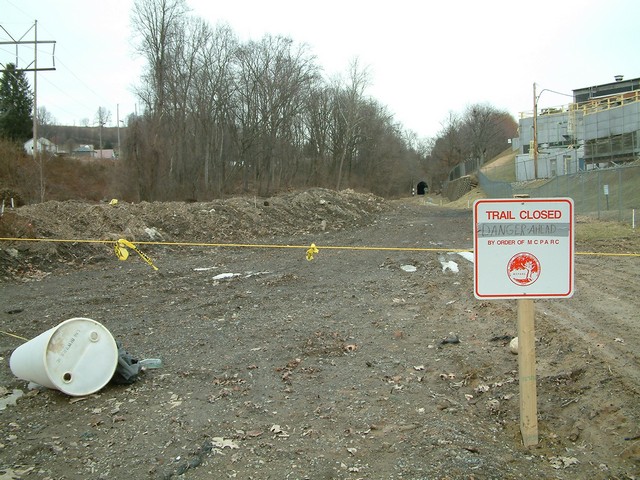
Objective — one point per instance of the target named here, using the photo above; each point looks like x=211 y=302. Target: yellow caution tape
x=312 y=251
x=122 y=253
x=266 y=245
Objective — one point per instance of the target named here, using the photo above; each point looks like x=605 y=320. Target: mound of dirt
x=83 y=229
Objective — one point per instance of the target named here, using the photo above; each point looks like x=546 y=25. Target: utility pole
x=36 y=152
x=118 y=125
x=32 y=67
x=535 y=133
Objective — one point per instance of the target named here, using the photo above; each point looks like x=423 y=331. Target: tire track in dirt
x=603 y=313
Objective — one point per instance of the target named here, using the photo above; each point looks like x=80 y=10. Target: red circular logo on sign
x=523 y=269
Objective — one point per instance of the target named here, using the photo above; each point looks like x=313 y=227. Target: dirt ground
x=346 y=366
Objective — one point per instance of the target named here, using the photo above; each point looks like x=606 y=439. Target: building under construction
x=600 y=129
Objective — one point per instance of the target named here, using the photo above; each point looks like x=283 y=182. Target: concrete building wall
x=615 y=121
x=551 y=163
x=553 y=130
x=586 y=136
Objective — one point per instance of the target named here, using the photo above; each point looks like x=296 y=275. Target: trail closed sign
x=523 y=248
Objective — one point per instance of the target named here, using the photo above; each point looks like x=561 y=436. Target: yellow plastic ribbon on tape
x=122 y=253
x=312 y=251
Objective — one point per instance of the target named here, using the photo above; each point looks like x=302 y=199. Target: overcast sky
x=426 y=59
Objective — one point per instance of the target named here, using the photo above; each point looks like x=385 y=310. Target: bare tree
x=45 y=121
x=145 y=177
x=159 y=30
x=212 y=107
x=486 y=130
x=220 y=116
x=479 y=135
x=381 y=163
x=275 y=77
x=157 y=24
x=448 y=150
x=348 y=103
x=318 y=128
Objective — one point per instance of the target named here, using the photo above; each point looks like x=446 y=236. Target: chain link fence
x=607 y=194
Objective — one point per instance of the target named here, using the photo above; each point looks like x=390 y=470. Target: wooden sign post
x=523 y=249
x=527 y=372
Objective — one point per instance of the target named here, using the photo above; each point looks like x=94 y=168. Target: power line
x=98 y=95
x=74 y=87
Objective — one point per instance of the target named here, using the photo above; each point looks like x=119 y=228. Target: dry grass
x=502 y=168
x=620 y=236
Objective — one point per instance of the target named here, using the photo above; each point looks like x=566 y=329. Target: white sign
x=523 y=248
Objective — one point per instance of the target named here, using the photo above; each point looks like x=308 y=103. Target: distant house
x=88 y=152
x=43 y=146
x=109 y=154
x=84 y=151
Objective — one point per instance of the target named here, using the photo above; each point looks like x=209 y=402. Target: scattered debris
x=576 y=430
x=513 y=345
x=224 y=276
x=448 y=265
x=11 y=474
x=501 y=338
x=408 y=268
x=11 y=399
x=278 y=431
x=466 y=255
x=452 y=338
x=153 y=234
x=128 y=367
x=481 y=389
x=150 y=363
x=221 y=443
x=563 y=462
x=493 y=405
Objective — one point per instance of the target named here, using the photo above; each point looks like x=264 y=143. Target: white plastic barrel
x=78 y=357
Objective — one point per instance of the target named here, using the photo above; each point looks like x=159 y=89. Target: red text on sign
x=540 y=214
x=500 y=215
x=524 y=215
